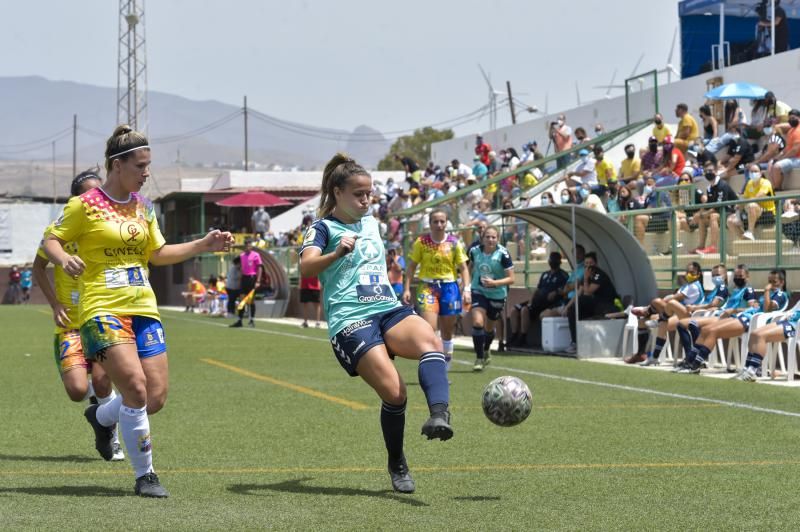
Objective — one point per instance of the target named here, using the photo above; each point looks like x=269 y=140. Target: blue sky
x=391 y=65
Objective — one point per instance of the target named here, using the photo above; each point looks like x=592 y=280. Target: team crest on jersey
x=131 y=232
x=368 y=249
x=310 y=234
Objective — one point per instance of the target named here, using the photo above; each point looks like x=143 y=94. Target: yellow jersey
x=689 y=121
x=605 y=172
x=438 y=261
x=68 y=290
x=115 y=241
x=629 y=167
x=758 y=188
x=661 y=132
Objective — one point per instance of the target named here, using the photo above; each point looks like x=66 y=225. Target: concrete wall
x=779 y=73
x=21 y=229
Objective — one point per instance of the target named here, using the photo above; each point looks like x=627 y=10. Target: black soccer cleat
x=149 y=486
x=103 y=436
x=438 y=426
x=237 y=323
x=401 y=477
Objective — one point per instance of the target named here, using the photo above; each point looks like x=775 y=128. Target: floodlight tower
x=132 y=66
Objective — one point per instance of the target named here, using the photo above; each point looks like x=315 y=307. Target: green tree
x=417 y=146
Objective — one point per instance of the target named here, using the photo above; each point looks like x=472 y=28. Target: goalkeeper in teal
x=492 y=274
x=367 y=324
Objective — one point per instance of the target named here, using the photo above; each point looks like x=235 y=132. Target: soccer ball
x=507 y=401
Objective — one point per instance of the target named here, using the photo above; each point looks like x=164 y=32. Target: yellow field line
x=428 y=469
x=291 y=386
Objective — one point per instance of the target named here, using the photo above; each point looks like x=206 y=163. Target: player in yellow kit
x=63 y=299
x=117 y=234
x=442 y=259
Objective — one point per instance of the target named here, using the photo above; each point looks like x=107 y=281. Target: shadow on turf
x=70 y=491
x=65 y=458
x=476 y=498
x=297 y=486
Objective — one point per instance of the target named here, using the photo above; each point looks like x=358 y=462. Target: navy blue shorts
x=744 y=319
x=493 y=307
x=352 y=342
x=789 y=330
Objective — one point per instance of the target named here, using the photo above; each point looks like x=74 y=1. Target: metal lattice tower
x=132 y=66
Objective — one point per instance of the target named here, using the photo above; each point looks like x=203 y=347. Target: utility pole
x=55 y=193
x=246 y=162
x=511 y=103
x=74 y=145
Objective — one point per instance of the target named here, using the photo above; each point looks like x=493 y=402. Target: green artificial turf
x=263 y=429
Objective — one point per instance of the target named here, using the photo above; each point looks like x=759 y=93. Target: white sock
x=89 y=390
x=110 y=397
x=108 y=412
x=448 y=347
x=135 y=429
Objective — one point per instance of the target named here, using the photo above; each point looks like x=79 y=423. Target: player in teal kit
x=367 y=324
x=492 y=274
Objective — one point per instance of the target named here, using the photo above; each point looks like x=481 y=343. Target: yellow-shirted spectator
x=660 y=129
x=755 y=213
x=631 y=167
x=606 y=174
x=688 y=131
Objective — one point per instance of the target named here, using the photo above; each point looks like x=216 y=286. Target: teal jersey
x=576 y=275
x=355 y=286
x=493 y=266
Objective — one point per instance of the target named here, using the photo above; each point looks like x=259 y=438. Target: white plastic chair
x=774 y=354
x=631 y=330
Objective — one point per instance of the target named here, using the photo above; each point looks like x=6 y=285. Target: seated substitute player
x=777 y=331
x=72 y=365
x=367 y=325
x=774 y=298
x=116 y=231
x=736 y=301
x=546 y=296
x=672 y=308
x=492 y=274
x=441 y=258
x=596 y=295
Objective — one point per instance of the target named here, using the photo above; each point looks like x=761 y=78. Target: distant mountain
x=32 y=108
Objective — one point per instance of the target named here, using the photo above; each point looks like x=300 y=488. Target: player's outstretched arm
x=215 y=240
x=313 y=262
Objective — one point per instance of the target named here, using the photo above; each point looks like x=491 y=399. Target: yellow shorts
x=68 y=351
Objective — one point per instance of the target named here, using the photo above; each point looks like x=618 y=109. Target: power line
x=40 y=146
x=198 y=131
x=45 y=140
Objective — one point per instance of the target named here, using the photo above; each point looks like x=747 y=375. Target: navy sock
x=432 y=375
x=393 y=423
x=702 y=353
x=478 y=339
x=694 y=330
x=686 y=338
x=754 y=360
x=489 y=339
x=659 y=346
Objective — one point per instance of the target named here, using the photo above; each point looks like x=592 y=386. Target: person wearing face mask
x=753 y=214
x=789 y=159
x=775 y=297
x=772 y=148
x=732 y=300
x=584 y=172
x=651 y=158
x=709 y=218
x=546 y=199
x=606 y=174
x=567 y=197
x=672 y=164
x=546 y=296
x=671 y=309
x=738 y=152
x=660 y=129
x=651 y=198
x=631 y=167
x=561 y=135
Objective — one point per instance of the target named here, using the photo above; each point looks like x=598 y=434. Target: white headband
x=128 y=151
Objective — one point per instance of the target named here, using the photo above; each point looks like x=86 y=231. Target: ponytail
x=122 y=142
x=339 y=169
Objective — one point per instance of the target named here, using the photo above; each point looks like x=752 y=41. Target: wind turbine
x=492 y=99
x=612 y=86
x=670 y=69
x=577 y=93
